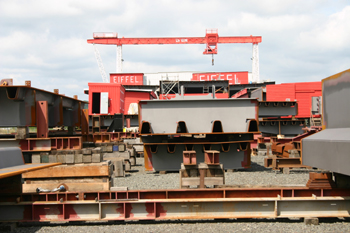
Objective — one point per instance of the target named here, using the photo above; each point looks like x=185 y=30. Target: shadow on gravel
x=255 y=168
x=37 y=226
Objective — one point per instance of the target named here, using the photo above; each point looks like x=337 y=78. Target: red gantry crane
x=211 y=40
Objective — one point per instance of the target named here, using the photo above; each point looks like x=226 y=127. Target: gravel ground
x=257 y=175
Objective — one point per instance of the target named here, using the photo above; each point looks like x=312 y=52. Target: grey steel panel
x=328 y=149
x=165 y=161
x=17 y=107
x=335 y=98
x=277 y=109
x=199 y=115
x=257 y=94
x=10 y=156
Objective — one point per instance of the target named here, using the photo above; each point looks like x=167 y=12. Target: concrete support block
x=78 y=158
x=311 y=221
x=22 y=132
x=44 y=157
x=127 y=165
x=132 y=160
x=118 y=188
x=230 y=170
x=96 y=158
x=109 y=148
x=61 y=159
x=286 y=170
x=116 y=154
x=70 y=158
x=36 y=158
x=121 y=147
x=52 y=158
x=86 y=151
x=118 y=165
x=87 y=158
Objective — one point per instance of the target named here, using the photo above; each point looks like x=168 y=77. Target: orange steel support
x=42 y=119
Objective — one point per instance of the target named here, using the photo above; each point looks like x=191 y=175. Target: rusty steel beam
x=42 y=119
x=177 y=204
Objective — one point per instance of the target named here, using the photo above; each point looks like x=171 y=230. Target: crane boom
x=211 y=40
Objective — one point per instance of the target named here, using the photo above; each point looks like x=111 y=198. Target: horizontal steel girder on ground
x=18 y=107
x=197 y=116
x=177 y=204
x=278 y=109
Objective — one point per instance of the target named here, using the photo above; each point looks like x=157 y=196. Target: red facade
x=127 y=78
x=217 y=95
x=301 y=92
x=116 y=97
x=233 y=77
x=134 y=97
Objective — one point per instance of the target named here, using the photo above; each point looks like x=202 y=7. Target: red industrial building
x=301 y=92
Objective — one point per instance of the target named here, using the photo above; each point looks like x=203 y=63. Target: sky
x=46 y=41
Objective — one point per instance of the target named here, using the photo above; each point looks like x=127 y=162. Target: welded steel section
x=18 y=107
x=286 y=127
x=197 y=138
x=42 y=119
x=277 y=108
x=279 y=202
x=162 y=116
x=329 y=148
x=169 y=157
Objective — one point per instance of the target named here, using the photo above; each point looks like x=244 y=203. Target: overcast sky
x=45 y=41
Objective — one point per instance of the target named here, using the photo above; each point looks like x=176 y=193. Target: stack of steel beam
x=170 y=127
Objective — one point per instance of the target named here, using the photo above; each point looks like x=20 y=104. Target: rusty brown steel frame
x=278 y=202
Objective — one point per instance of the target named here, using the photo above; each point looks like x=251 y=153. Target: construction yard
x=211 y=152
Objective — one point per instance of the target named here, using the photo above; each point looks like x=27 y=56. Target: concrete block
x=70 y=158
x=54 y=152
x=69 y=152
x=61 y=159
x=78 y=152
x=96 y=158
x=132 y=152
x=127 y=165
x=36 y=158
x=116 y=154
x=118 y=188
x=286 y=170
x=311 y=221
x=230 y=170
x=52 y=158
x=138 y=148
x=78 y=158
x=96 y=150
x=22 y=132
x=87 y=158
x=118 y=167
x=132 y=140
x=86 y=151
x=132 y=160
x=109 y=148
x=44 y=157
x=121 y=147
